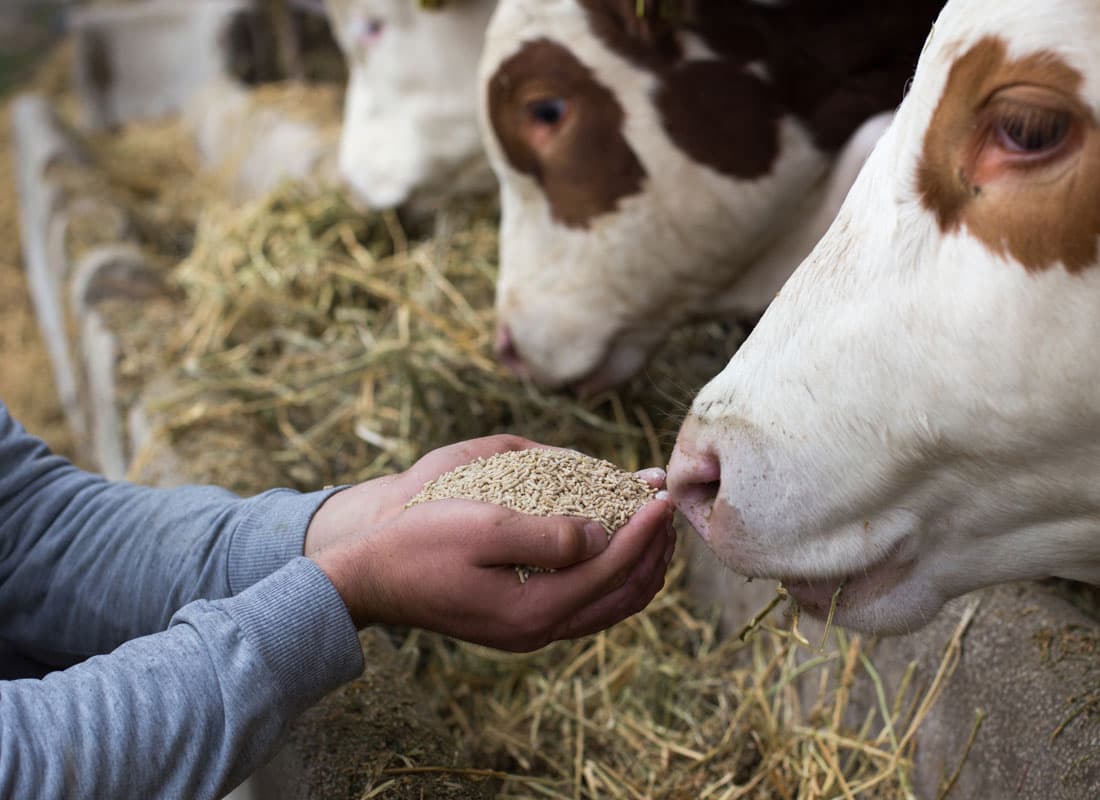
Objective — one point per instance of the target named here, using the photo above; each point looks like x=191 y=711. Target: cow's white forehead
x=1065 y=28
x=517 y=22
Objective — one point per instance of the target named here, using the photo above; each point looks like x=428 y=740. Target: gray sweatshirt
x=186 y=628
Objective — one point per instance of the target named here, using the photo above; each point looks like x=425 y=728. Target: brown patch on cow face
x=1012 y=154
x=714 y=110
x=831 y=64
x=558 y=124
x=722 y=116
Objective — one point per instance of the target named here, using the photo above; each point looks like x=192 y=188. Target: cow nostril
x=694 y=481
x=506 y=351
x=696 y=500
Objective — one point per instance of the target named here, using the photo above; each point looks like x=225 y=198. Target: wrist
x=351 y=582
x=271 y=533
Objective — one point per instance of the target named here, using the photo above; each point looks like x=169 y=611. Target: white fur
x=410 y=124
x=912 y=399
x=592 y=303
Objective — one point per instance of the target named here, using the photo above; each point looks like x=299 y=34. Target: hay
x=659 y=708
x=360 y=352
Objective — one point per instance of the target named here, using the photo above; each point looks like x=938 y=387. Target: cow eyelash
x=1030 y=130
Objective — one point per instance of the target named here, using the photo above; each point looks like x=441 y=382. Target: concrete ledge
x=68 y=288
x=40 y=142
x=106 y=273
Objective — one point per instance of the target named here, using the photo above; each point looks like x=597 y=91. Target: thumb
x=549 y=542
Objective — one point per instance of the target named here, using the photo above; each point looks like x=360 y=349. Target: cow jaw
x=916 y=413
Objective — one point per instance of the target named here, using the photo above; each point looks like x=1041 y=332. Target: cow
x=410 y=124
x=657 y=169
x=917 y=415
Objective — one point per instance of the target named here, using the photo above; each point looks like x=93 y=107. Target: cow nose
x=506 y=352
x=694 y=479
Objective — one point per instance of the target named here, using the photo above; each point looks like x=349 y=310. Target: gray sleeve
x=188 y=712
x=87 y=564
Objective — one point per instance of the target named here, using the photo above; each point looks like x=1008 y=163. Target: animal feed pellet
x=545 y=483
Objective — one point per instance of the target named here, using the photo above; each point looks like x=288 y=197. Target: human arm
x=86 y=564
x=188 y=712
x=191 y=711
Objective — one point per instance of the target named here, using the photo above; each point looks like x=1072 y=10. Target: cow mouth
x=621 y=363
x=854 y=590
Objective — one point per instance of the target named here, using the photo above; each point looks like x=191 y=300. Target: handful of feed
x=545 y=482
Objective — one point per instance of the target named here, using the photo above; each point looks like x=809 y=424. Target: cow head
x=918 y=412
x=654 y=170
x=410 y=124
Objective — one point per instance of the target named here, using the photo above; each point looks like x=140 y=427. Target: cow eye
x=1031 y=130
x=370 y=31
x=548 y=111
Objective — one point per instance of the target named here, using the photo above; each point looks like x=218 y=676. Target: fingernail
x=595 y=538
x=655 y=474
x=661 y=495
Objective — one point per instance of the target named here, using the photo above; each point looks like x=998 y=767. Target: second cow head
x=655 y=169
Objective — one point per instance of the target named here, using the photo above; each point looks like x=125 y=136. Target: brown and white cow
x=655 y=170
x=918 y=412
x=410 y=122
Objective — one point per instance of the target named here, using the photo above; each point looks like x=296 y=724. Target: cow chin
x=885 y=593
x=613 y=368
x=622 y=362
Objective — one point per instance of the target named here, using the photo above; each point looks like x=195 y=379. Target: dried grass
x=660 y=708
x=360 y=352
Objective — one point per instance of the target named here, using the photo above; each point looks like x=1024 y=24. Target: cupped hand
x=447 y=566
x=362 y=507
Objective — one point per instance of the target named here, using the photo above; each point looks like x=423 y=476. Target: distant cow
x=918 y=413
x=410 y=124
x=657 y=169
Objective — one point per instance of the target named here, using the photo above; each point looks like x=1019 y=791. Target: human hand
x=446 y=566
x=366 y=505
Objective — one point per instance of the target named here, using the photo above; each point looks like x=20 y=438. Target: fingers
x=509 y=537
x=645 y=581
x=654 y=476
x=583 y=585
